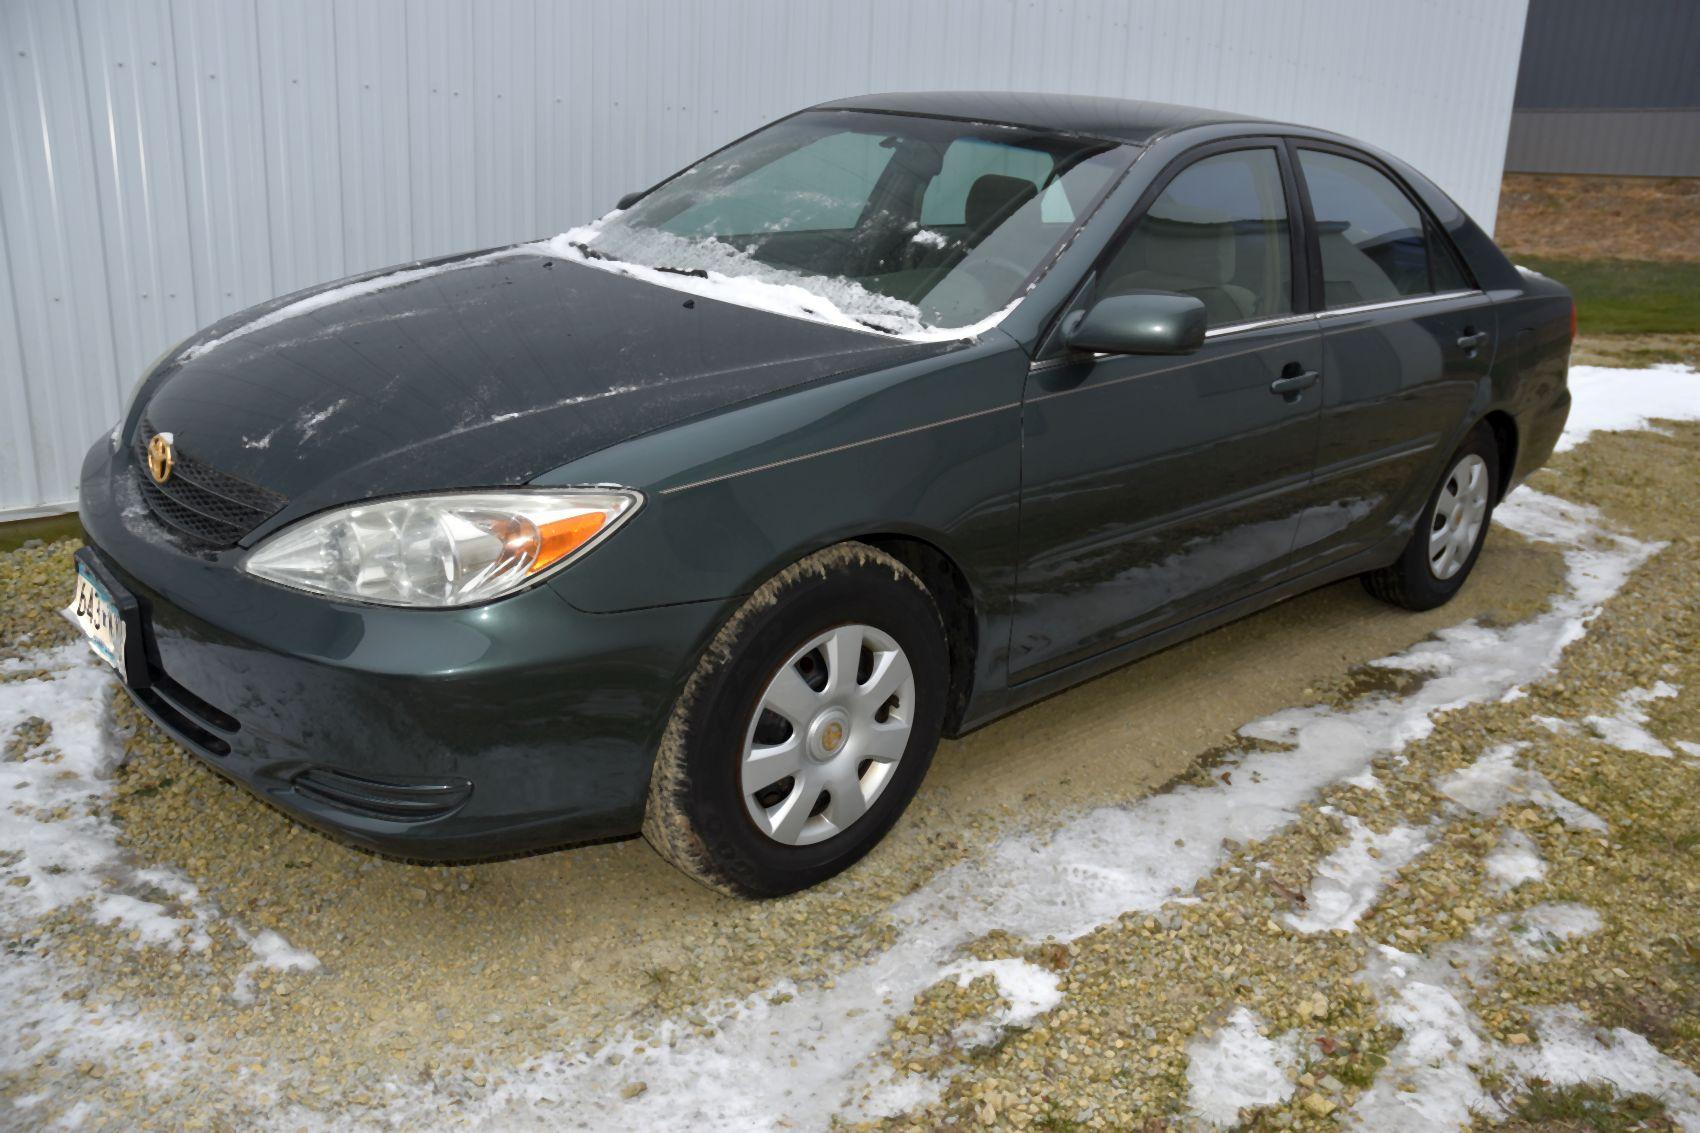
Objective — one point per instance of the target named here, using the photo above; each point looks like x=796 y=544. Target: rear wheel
x=1449 y=533
x=806 y=727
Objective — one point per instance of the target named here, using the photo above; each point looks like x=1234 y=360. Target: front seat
x=1191 y=251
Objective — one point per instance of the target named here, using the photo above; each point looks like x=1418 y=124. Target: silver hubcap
x=827 y=735
x=1458 y=515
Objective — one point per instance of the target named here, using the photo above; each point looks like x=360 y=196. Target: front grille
x=201 y=502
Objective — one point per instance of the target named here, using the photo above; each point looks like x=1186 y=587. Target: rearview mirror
x=1145 y=322
x=629 y=200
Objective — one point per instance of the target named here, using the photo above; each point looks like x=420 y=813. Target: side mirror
x=629 y=200
x=1144 y=322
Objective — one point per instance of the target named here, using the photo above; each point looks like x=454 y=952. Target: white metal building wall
x=165 y=162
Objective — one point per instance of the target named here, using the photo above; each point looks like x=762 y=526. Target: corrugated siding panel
x=169 y=161
x=1629 y=54
x=1627 y=143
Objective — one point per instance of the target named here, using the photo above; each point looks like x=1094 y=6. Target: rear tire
x=1449 y=532
x=831 y=682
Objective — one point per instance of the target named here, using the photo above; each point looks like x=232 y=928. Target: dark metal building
x=1608 y=88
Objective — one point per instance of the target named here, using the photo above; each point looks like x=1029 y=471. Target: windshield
x=891 y=222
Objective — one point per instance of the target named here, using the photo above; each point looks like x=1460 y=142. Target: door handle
x=1293 y=382
x=1471 y=339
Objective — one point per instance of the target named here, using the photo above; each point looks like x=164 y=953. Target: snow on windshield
x=716 y=270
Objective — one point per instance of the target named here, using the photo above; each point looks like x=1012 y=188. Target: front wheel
x=806 y=728
x=1449 y=533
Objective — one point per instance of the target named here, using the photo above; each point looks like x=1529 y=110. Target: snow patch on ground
x=1573 y=1051
x=1515 y=860
x=1496 y=779
x=49 y=830
x=1627 y=728
x=1605 y=399
x=1238 y=1067
x=1030 y=989
x=1427 y=1083
x=1349 y=880
x=1431 y=1080
x=64 y=852
x=271 y=951
x=1366 y=780
x=41 y=1021
x=1544 y=928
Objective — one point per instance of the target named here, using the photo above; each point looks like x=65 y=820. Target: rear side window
x=1218 y=232
x=1373 y=239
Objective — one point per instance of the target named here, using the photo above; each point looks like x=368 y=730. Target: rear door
x=1406 y=339
x=1154 y=488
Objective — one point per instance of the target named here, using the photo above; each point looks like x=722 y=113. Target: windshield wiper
x=591 y=253
x=597 y=254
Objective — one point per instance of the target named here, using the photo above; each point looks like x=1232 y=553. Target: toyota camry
x=708 y=519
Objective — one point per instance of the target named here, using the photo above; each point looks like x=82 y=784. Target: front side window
x=1218 y=232
x=1373 y=240
x=892 y=222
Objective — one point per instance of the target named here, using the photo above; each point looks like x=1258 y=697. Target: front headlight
x=440 y=551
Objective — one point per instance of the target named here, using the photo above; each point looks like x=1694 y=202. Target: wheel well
x=950 y=589
x=1505 y=439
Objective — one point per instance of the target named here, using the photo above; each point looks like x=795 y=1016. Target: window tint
x=1373 y=240
x=1448 y=273
x=1218 y=232
x=822 y=186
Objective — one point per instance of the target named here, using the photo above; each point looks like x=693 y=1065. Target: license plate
x=98 y=616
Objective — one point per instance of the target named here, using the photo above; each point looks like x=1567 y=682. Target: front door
x=1154 y=488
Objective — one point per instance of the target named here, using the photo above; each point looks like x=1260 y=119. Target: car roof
x=1117 y=119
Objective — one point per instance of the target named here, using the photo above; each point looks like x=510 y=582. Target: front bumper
x=428 y=734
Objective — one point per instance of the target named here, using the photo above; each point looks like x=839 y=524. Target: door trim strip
x=1412 y=301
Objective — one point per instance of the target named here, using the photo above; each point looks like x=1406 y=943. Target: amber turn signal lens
x=564 y=536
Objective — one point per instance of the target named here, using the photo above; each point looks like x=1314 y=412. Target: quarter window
x=1218 y=232
x=1373 y=239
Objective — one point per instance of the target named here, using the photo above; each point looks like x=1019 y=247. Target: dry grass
x=1588 y=218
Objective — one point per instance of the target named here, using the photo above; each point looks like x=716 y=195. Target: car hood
x=473 y=372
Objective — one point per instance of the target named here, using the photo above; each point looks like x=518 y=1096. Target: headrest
x=994 y=196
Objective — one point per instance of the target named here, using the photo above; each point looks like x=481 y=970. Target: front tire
x=806 y=727
x=1449 y=533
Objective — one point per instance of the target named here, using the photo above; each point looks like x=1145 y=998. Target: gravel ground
x=539 y=992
